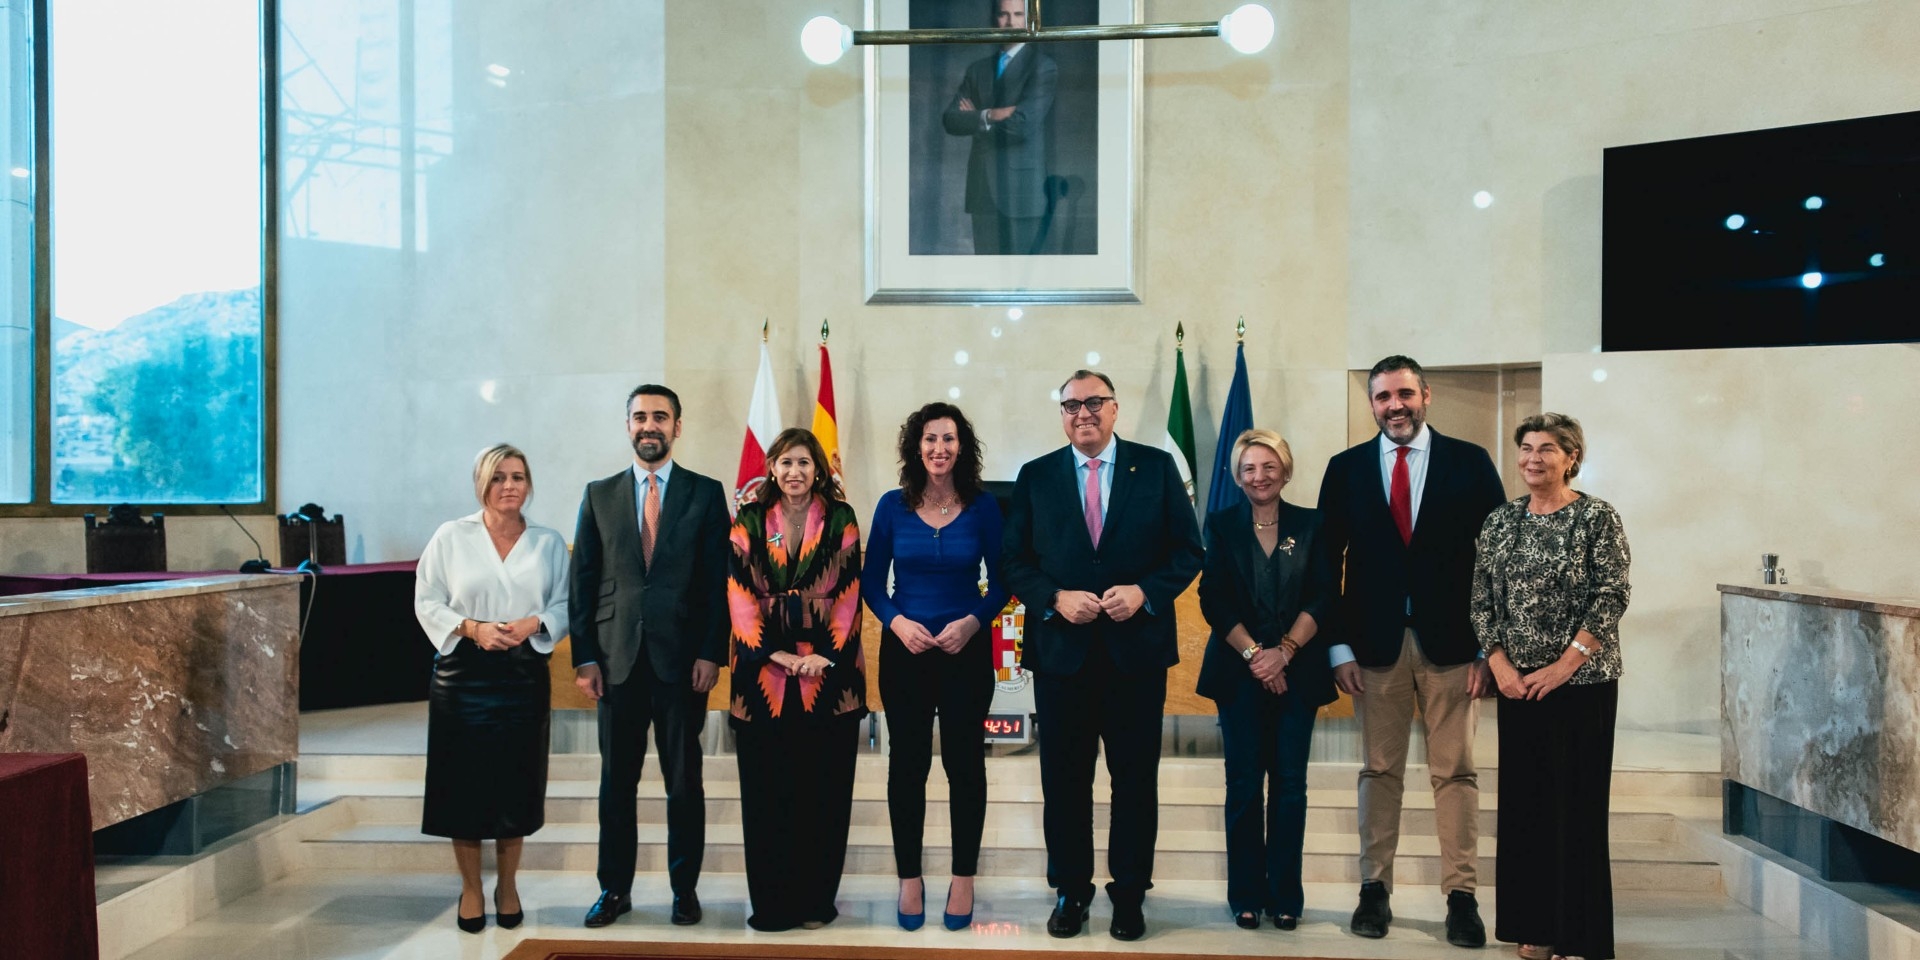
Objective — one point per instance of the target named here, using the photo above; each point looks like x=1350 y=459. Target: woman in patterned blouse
x=799 y=683
x=1549 y=586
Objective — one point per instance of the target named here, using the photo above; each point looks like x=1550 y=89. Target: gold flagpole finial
x=1240 y=330
x=1179 y=335
x=823 y=333
x=763 y=329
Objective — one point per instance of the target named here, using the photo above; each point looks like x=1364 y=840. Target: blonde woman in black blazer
x=1266 y=591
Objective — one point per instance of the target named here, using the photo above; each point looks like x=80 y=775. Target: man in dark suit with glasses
x=1100 y=540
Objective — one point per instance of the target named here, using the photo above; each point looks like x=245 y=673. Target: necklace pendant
x=943 y=510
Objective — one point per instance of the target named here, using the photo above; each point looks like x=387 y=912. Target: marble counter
x=170 y=688
x=1820 y=703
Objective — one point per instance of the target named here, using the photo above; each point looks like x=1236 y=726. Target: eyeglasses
x=1093 y=405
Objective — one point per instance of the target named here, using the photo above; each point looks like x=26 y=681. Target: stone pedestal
x=1820 y=706
x=170 y=689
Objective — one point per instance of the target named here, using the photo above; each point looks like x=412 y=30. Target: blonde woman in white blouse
x=491 y=594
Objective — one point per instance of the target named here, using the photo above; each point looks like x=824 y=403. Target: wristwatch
x=1248 y=653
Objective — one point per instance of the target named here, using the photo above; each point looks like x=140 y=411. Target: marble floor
x=404 y=907
x=324 y=914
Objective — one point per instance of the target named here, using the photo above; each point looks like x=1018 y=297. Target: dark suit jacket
x=1007 y=169
x=1227 y=600
x=1149 y=539
x=677 y=611
x=1435 y=570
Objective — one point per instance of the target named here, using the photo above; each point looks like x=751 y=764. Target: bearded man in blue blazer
x=1403 y=511
x=1100 y=539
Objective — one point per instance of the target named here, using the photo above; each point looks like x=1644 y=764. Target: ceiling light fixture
x=1248 y=29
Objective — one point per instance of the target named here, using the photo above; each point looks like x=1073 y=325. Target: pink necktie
x=1400 y=499
x=651 y=523
x=1093 y=501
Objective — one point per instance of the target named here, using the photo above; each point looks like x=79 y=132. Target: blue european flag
x=1237 y=417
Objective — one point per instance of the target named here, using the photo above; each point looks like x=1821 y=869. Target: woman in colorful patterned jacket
x=799 y=683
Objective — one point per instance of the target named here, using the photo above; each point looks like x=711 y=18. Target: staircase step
x=1180 y=854
x=1333 y=812
x=1002 y=772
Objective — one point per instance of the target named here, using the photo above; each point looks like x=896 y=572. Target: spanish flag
x=826 y=428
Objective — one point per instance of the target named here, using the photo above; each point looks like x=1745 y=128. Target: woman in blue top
x=934 y=533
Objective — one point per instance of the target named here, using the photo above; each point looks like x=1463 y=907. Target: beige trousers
x=1385 y=710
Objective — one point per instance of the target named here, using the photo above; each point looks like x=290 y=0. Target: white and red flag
x=763 y=424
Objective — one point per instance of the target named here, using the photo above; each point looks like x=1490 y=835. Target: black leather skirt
x=488 y=714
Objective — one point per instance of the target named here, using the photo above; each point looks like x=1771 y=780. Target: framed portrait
x=1002 y=175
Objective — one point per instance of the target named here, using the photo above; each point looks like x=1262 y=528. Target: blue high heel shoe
x=912 y=921
x=956 y=921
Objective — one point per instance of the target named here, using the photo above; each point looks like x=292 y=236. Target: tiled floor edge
x=1789 y=894
x=236 y=867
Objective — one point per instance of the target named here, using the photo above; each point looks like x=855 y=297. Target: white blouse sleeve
x=432 y=596
x=554 y=566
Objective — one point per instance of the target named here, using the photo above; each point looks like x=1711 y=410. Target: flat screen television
x=1786 y=237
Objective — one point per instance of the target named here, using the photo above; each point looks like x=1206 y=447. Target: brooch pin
x=775 y=540
x=1286 y=546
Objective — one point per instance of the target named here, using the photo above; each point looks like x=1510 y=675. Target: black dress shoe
x=608 y=908
x=1464 y=928
x=1283 y=922
x=507 y=921
x=1069 y=917
x=686 y=910
x=1370 y=919
x=1247 y=921
x=468 y=924
x=1129 y=922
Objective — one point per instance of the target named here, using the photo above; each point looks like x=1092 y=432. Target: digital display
x=1792 y=236
x=1007 y=727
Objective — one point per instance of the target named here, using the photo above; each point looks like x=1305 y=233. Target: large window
x=16 y=237
x=155 y=382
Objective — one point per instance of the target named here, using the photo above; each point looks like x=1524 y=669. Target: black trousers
x=959 y=689
x=677 y=715
x=1266 y=741
x=796 y=801
x=1556 y=770
x=1077 y=714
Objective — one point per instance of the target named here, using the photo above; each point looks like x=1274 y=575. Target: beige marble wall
x=1716 y=456
x=1244 y=214
x=1519 y=99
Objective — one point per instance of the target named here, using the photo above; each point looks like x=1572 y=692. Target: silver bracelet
x=1589 y=654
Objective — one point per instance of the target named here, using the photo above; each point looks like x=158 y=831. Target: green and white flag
x=1179 y=441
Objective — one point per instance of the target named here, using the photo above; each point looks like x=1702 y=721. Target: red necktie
x=1400 y=501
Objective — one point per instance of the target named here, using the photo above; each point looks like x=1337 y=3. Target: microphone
x=259 y=563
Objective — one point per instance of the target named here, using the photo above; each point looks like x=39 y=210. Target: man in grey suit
x=648 y=611
x=1003 y=104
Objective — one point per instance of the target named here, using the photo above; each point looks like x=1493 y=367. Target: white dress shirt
x=462 y=577
x=1417 y=460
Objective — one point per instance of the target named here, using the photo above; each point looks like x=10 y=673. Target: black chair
x=307 y=534
x=125 y=543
